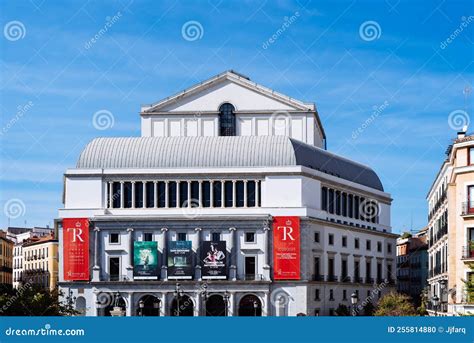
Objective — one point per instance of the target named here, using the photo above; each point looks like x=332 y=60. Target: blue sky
x=384 y=94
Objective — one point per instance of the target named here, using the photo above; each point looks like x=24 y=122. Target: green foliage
x=31 y=300
x=395 y=304
x=368 y=309
x=343 y=310
x=424 y=301
x=406 y=235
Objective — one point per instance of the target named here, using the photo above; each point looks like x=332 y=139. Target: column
x=189 y=195
x=96 y=267
x=164 y=265
x=232 y=248
x=234 y=194
x=122 y=198
x=245 y=193
x=144 y=193
x=197 y=269
x=266 y=266
x=266 y=305
x=178 y=195
x=200 y=194
x=257 y=193
x=222 y=193
x=133 y=194
x=166 y=194
x=130 y=254
x=155 y=197
x=197 y=309
x=111 y=195
x=232 y=304
x=129 y=309
x=163 y=304
x=211 y=187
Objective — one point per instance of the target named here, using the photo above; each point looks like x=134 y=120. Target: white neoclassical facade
x=201 y=191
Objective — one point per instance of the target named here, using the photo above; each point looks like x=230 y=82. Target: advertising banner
x=76 y=249
x=145 y=260
x=213 y=255
x=180 y=263
x=286 y=248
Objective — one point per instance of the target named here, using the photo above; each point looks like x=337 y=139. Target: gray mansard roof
x=206 y=152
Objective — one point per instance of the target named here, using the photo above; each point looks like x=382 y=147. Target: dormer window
x=226 y=120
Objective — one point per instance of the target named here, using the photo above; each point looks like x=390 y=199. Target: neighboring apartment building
x=19 y=235
x=451 y=230
x=6 y=259
x=40 y=261
x=412 y=265
x=228 y=204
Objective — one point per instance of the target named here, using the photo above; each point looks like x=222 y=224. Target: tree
x=343 y=310
x=406 y=235
x=395 y=304
x=32 y=300
x=423 y=303
x=368 y=309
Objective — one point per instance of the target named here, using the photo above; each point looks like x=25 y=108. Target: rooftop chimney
x=462 y=132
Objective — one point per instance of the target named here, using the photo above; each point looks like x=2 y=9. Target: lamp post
x=177 y=293
x=226 y=301
x=141 y=305
x=204 y=298
x=354 y=300
x=255 y=306
x=435 y=302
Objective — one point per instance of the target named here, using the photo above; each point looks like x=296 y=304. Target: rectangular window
x=317 y=294
x=116 y=189
x=331 y=201
x=251 y=194
x=344 y=270
x=368 y=245
x=344 y=204
x=148 y=237
x=250 y=267
x=138 y=201
x=470 y=199
x=470 y=156
x=172 y=193
x=331 y=268
x=356 y=243
x=331 y=239
x=331 y=294
x=161 y=194
x=324 y=199
x=182 y=236
x=368 y=269
x=239 y=197
x=183 y=194
x=389 y=248
x=350 y=206
x=217 y=193
x=229 y=188
x=356 y=271
x=250 y=237
x=379 y=246
x=356 y=207
x=114 y=238
x=317 y=268
x=206 y=194
x=216 y=236
x=114 y=268
x=344 y=241
x=150 y=194
x=316 y=237
x=344 y=294
x=127 y=193
x=195 y=194
x=338 y=203
x=379 y=272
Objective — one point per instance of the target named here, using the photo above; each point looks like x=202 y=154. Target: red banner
x=286 y=248
x=76 y=249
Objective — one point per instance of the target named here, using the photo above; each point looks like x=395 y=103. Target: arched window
x=226 y=120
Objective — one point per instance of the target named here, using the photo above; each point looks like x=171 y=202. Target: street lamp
x=141 y=305
x=435 y=302
x=226 y=300
x=255 y=306
x=354 y=300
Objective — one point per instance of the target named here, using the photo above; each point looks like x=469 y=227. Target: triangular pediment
x=230 y=87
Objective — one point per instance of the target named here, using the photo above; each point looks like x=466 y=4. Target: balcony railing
x=252 y=277
x=331 y=278
x=468 y=251
x=317 y=277
x=345 y=278
x=357 y=279
x=467 y=208
x=369 y=280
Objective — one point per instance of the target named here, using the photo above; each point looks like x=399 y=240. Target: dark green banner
x=145 y=260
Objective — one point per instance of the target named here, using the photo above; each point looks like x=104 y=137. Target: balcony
x=317 y=277
x=468 y=251
x=357 y=279
x=467 y=208
x=332 y=278
x=117 y=277
x=252 y=277
x=369 y=280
